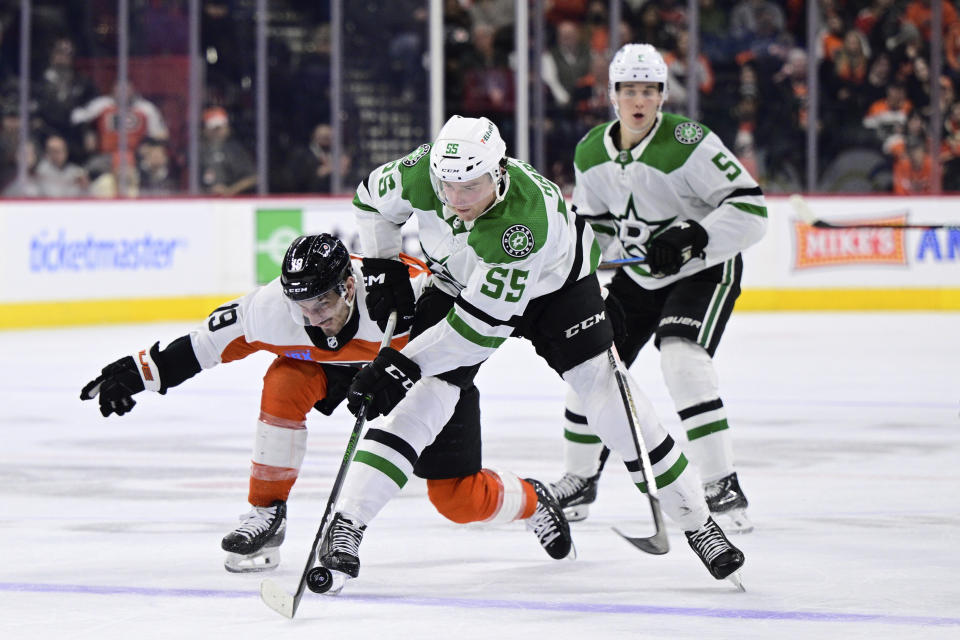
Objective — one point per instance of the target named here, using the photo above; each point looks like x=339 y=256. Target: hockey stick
x=621 y=262
x=657 y=544
x=803 y=211
x=272 y=594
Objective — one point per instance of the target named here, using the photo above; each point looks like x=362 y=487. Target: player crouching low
x=313 y=317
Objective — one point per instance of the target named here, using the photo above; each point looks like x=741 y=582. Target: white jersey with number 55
x=524 y=247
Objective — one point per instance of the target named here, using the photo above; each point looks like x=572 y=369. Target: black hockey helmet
x=314 y=265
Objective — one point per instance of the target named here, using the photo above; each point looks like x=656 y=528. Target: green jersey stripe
x=362 y=206
x=471 y=334
x=756 y=210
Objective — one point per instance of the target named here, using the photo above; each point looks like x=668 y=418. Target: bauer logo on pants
x=517 y=241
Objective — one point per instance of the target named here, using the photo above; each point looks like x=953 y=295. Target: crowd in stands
x=873 y=115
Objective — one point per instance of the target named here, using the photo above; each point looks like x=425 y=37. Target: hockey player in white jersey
x=507 y=259
x=660 y=186
x=314 y=318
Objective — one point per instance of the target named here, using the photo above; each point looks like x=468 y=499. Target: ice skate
x=550 y=525
x=722 y=559
x=575 y=494
x=255 y=544
x=340 y=550
x=728 y=504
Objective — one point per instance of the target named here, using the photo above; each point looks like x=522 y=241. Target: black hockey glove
x=120 y=380
x=675 y=247
x=618 y=318
x=385 y=381
x=388 y=287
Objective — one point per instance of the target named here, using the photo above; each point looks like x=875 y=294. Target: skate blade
x=737 y=581
x=734 y=521
x=339 y=581
x=263 y=560
x=577 y=513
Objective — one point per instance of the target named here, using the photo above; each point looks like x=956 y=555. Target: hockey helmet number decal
x=517 y=241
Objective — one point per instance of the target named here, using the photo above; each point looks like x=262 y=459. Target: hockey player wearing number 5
x=507 y=258
x=314 y=318
x=664 y=187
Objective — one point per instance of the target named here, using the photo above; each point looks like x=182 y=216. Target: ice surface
x=846 y=429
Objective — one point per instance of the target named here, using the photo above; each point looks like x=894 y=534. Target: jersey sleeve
x=382 y=203
x=221 y=337
x=739 y=216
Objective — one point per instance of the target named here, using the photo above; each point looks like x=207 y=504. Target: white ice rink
x=846 y=428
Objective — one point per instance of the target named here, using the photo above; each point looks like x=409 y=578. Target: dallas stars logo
x=636 y=250
x=688 y=133
x=517 y=241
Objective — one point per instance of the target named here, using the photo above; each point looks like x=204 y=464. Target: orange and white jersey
x=263 y=320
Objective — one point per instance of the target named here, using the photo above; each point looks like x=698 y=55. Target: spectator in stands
x=920 y=14
x=108 y=183
x=25 y=186
x=879 y=78
x=844 y=78
x=488 y=81
x=676 y=60
x=748 y=15
x=653 y=29
x=143 y=120
x=497 y=14
x=950 y=150
x=60 y=90
x=888 y=117
x=878 y=22
x=155 y=174
x=57 y=177
x=311 y=168
x=226 y=168
x=565 y=64
x=912 y=173
x=831 y=36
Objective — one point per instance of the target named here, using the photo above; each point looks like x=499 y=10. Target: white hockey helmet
x=637 y=63
x=466 y=149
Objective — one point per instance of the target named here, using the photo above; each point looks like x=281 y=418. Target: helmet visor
x=316 y=311
x=464 y=195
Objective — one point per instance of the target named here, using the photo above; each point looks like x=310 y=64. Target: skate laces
x=709 y=541
x=345 y=536
x=256 y=521
x=568 y=486
x=543 y=525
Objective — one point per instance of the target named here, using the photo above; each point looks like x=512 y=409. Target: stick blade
x=657 y=544
x=277 y=598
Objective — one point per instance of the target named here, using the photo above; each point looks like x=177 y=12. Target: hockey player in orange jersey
x=314 y=318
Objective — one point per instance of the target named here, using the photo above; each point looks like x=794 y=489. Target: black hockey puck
x=319 y=580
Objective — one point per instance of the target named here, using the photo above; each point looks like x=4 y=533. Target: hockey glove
x=385 y=381
x=617 y=316
x=120 y=380
x=388 y=287
x=675 y=247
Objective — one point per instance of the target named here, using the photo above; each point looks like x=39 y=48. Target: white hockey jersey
x=526 y=246
x=262 y=321
x=681 y=170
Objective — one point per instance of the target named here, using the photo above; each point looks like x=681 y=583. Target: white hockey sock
x=581 y=446
x=692 y=381
x=386 y=455
x=681 y=493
